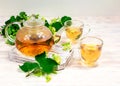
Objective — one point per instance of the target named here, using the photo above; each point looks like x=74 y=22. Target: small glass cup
x=90 y=48
x=74 y=30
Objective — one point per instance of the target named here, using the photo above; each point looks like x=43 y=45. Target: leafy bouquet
x=43 y=65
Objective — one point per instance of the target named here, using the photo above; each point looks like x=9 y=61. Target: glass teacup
x=90 y=48
x=74 y=30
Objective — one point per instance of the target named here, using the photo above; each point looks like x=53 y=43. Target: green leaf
x=57 y=25
x=41 y=67
x=52 y=29
x=36 y=16
x=11 y=20
x=39 y=57
x=18 y=18
x=47 y=65
x=57 y=58
x=9 y=30
x=3 y=30
x=23 y=15
x=38 y=72
x=55 y=20
x=28 y=66
x=9 y=42
x=14 y=27
x=66 y=46
x=48 y=78
x=65 y=18
x=46 y=23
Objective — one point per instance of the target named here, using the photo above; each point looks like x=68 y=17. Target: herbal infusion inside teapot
x=34 y=38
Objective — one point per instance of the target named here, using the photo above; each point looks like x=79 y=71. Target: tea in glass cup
x=74 y=30
x=90 y=48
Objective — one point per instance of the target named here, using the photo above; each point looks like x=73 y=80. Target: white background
x=61 y=7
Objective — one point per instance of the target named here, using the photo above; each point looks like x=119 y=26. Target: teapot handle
x=8 y=36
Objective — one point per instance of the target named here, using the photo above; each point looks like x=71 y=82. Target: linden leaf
x=28 y=66
x=48 y=65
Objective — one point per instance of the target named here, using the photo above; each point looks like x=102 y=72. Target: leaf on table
x=28 y=66
x=48 y=65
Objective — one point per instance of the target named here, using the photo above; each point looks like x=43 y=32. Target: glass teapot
x=34 y=38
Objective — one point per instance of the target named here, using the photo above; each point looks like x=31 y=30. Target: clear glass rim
x=92 y=37
x=78 y=22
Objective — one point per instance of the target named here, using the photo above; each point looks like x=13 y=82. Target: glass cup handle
x=86 y=30
x=6 y=32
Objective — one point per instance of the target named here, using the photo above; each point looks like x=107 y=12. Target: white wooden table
x=107 y=73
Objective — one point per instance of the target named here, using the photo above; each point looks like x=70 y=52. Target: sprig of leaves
x=57 y=23
x=66 y=46
x=43 y=66
x=13 y=28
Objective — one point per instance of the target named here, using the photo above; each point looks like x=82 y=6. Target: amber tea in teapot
x=34 y=39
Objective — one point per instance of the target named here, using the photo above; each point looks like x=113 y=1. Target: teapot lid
x=32 y=22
